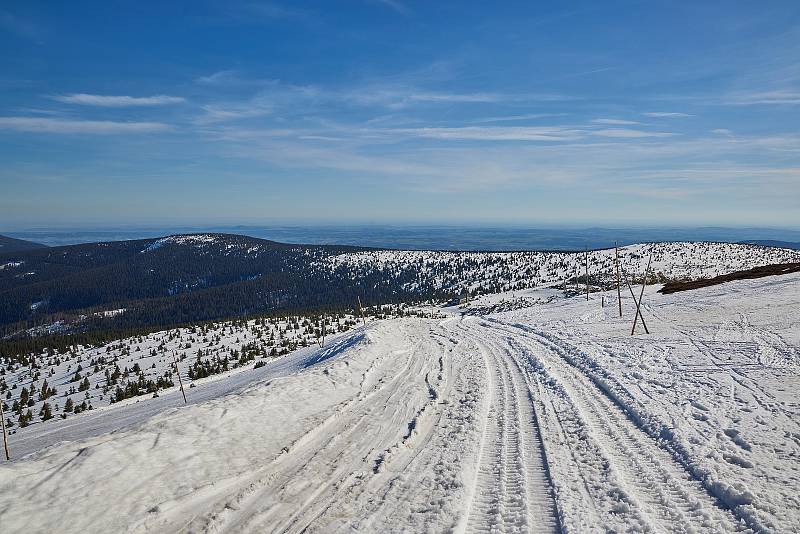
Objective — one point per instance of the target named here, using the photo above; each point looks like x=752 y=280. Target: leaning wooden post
x=641 y=294
x=178 y=372
x=587 y=272
x=5 y=436
x=638 y=311
x=361 y=311
x=619 y=294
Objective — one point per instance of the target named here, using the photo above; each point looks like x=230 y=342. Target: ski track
x=511 y=491
x=670 y=499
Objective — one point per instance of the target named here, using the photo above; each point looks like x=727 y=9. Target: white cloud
x=219 y=78
x=663 y=114
x=477 y=133
x=722 y=131
x=403 y=96
x=112 y=101
x=613 y=121
x=65 y=126
x=451 y=97
x=790 y=97
x=215 y=113
x=511 y=118
x=627 y=133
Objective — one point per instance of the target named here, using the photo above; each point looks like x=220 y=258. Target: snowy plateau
x=526 y=409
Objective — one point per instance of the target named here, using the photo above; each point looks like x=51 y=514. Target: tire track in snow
x=668 y=496
x=511 y=491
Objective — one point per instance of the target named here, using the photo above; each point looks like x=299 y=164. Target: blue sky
x=390 y=111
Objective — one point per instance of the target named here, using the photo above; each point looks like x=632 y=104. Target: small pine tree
x=84 y=385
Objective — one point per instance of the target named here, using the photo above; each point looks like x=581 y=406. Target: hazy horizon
x=436 y=237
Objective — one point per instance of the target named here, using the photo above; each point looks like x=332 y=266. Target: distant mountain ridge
x=772 y=243
x=10 y=244
x=169 y=280
x=189 y=278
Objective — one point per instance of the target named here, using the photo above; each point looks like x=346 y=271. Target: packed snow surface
x=548 y=416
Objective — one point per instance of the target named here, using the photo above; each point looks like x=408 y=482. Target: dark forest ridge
x=10 y=244
x=180 y=279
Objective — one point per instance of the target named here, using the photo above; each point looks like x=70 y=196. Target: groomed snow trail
x=665 y=494
x=511 y=492
x=464 y=425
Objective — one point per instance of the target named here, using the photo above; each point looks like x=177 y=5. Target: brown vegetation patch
x=756 y=272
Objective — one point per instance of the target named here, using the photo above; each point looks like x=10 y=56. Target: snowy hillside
x=46 y=388
x=493 y=272
x=546 y=418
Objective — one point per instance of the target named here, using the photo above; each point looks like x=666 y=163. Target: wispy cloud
x=455 y=97
x=216 y=113
x=613 y=121
x=722 y=131
x=219 y=78
x=666 y=114
x=477 y=133
x=65 y=126
x=780 y=97
x=512 y=118
x=117 y=101
x=628 y=133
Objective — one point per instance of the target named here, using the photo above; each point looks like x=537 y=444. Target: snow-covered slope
x=545 y=418
x=492 y=272
x=43 y=390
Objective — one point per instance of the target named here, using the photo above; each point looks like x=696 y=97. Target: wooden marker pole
x=178 y=372
x=322 y=341
x=587 y=273
x=638 y=311
x=361 y=311
x=619 y=294
x=641 y=294
x=5 y=436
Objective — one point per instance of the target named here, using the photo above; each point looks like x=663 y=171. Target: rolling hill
x=181 y=279
x=10 y=244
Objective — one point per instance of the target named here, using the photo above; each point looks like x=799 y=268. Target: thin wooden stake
x=619 y=293
x=322 y=341
x=5 y=436
x=178 y=372
x=587 y=272
x=361 y=311
x=638 y=311
x=641 y=294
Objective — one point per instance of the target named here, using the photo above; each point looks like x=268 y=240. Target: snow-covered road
x=545 y=419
